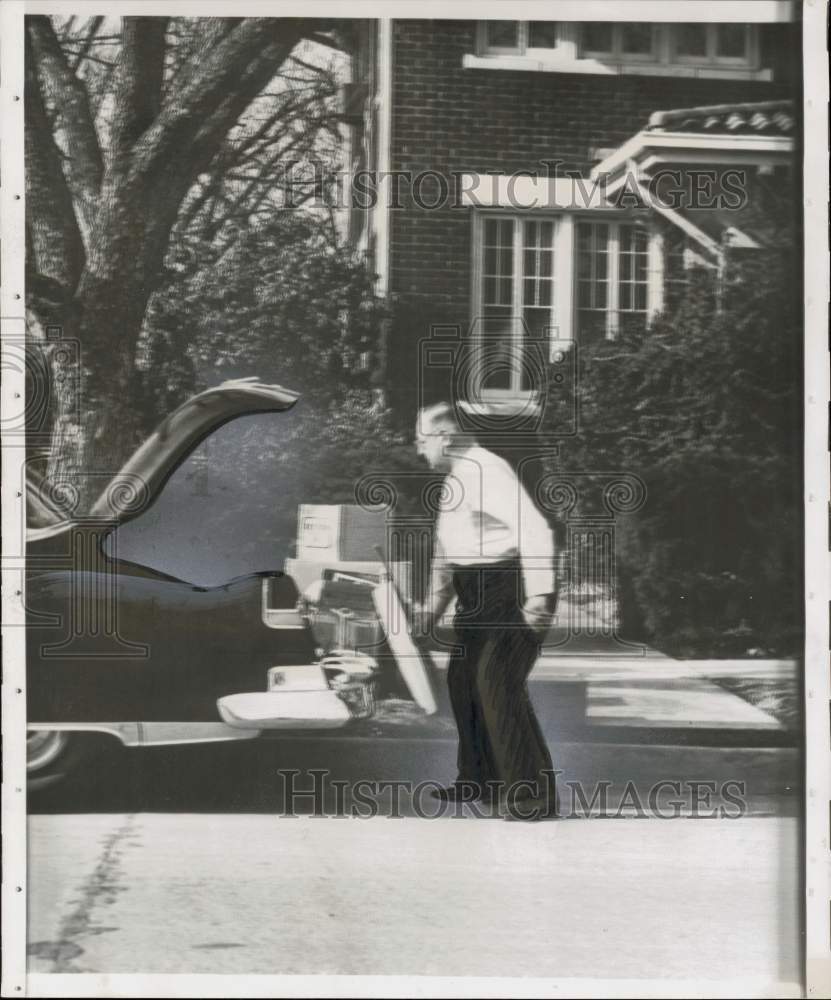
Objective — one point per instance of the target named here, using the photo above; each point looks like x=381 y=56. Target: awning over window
x=747 y=146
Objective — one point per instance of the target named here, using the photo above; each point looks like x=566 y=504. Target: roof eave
x=651 y=148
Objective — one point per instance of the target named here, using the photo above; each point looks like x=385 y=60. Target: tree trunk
x=99 y=286
x=95 y=426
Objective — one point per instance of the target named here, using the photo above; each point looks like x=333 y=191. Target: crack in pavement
x=102 y=886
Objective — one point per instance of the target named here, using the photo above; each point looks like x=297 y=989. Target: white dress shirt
x=488 y=517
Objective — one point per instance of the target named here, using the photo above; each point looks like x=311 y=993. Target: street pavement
x=177 y=860
x=249 y=776
x=692 y=899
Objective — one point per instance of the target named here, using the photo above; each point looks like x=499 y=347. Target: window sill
x=597 y=68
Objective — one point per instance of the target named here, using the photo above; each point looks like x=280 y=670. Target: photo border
x=817 y=872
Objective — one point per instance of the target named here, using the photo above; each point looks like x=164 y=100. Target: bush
x=705 y=407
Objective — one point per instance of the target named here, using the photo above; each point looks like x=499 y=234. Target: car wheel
x=50 y=756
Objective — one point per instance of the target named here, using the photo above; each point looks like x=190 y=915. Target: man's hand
x=539 y=613
x=422 y=622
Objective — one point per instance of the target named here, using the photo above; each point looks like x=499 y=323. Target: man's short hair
x=438 y=419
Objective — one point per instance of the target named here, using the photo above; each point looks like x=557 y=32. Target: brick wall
x=447 y=118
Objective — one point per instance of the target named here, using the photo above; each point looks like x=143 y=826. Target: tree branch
x=86 y=42
x=57 y=251
x=138 y=87
x=211 y=31
x=229 y=78
x=74 y=119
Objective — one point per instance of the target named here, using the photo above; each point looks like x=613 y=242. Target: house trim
x=683 y=11
x=570 y=64
x=381 y=210
x=564 y=281
x=569 y=197
x=655 y=273
x=528 y=192
x=682 y=222
x=687 y=147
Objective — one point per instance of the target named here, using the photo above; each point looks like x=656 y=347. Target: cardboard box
x=339 y=533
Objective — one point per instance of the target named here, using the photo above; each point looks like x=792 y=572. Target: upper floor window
x=516 y=37
x=603 y=40
x=503 y=36
x=625 y=46
x=713 y=44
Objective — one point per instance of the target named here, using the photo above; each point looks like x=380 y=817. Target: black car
x=122 y=649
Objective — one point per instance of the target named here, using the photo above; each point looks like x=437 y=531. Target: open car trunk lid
x=142 y=477
x=135 y=487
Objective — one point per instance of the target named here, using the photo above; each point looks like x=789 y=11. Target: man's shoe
x=459 y=791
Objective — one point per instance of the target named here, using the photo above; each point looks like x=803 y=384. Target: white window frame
x=564 y=311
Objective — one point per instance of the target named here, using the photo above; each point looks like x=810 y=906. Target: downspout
x=381 y=210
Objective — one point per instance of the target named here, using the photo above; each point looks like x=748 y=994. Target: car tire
x=51 y=755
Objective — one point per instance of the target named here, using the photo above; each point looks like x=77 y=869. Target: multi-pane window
x=537 y=275
x=592 y=280
x=714 y=44
x=612 y=277
x=633 y=269
x=498 y=280
x=733 y=46
x=632 y=40
x=517 y=296
x=545 y=280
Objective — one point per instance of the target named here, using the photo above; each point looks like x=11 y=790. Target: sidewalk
x=638 y=687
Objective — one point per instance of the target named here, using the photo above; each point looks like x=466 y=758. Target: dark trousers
x=500 y=739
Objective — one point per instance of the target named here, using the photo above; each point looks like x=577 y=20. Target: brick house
x=529 y=181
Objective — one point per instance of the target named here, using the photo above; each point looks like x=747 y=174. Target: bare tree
x=132 y=132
